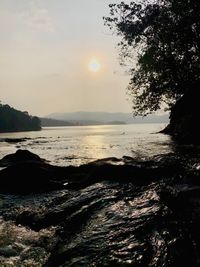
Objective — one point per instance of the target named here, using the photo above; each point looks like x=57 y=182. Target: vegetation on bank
x=12 y=120
x=161 y=40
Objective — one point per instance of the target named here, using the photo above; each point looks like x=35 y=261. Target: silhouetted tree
x=164 y=38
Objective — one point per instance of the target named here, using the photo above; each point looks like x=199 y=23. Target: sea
x=64 y=146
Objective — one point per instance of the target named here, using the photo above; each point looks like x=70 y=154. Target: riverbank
x=110 y=212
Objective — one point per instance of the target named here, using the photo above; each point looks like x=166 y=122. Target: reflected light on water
x=96 y=146
x=82 y=144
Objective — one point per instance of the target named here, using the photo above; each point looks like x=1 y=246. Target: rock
x=119 y=213
x=180 y=198
x=8 y=251
x=28 y=173
x=111 y=161
x=15 y=140
x=29 y=177
x=18 y=157
x=183 y=126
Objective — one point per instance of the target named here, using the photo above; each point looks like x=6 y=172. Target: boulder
x=18 y=157
x=8 y=251
x=26 y=172
x=29 y=177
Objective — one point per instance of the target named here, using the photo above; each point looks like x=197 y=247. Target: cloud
x=37 y=17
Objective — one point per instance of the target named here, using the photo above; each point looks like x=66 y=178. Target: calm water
x=77 y=145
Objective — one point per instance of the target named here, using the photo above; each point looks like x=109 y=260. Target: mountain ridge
x=106 y=117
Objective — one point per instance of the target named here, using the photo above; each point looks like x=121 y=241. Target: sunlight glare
x=94 y=65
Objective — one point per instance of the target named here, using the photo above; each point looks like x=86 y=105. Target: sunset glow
x=94 y=65
x=43 y=59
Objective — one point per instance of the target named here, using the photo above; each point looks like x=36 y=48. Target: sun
x=94 y=65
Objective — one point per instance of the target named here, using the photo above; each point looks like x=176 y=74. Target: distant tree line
x=12 y=120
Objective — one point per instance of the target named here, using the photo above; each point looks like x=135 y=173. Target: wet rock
x=8 y=251
x=113 y=213
x=32 y=255
x=29 y=177
x=181 y=199
x=18 y=157
x=15 y=140
x=28 y=173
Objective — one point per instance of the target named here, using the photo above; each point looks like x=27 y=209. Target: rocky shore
x=111 y=212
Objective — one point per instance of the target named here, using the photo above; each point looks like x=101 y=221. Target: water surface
x=82 y=144
x=148 y=219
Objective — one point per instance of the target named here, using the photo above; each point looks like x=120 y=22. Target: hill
x=47 y=122
x=107 y=118
x=13 y=120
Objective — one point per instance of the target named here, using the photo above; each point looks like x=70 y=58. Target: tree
x=164 y=37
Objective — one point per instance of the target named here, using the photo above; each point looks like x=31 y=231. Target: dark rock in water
x=8 y=251
x=28 y=177
x=15 y=140
x=28 y=173
x=19 y=156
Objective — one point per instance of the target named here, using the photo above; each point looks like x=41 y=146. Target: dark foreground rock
x=20 y=156
x=26 y=172
x=111 y=212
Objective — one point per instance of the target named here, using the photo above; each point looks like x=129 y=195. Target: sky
x=57 y=56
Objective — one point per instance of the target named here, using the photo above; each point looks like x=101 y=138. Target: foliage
x=164 y=36
x=14 y=120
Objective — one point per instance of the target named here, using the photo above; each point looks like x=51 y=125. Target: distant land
x=98 y=118
x=45 y=122
x=13 y=120
x=48 y=122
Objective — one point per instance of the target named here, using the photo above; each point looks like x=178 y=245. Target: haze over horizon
x=59 y=57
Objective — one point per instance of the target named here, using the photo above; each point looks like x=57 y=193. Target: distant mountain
x=13 y=120
x=46 y=122
x=107 y=117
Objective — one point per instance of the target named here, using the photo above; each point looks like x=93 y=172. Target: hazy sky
x=45 y=49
